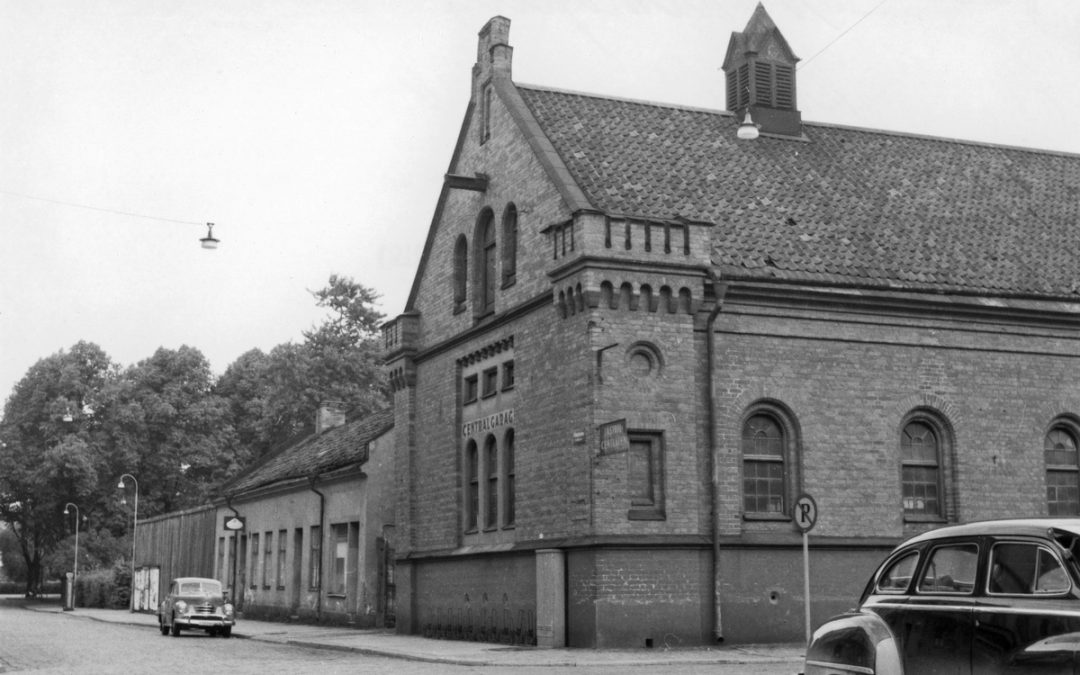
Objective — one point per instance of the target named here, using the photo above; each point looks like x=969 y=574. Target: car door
x=1029 y=618
x=934 y=628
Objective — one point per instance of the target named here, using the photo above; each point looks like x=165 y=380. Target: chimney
x=329 y=415
x=493 y=54
x=760 y=74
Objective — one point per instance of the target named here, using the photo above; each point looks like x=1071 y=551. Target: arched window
x=1062 y=471
x=491 y=462
x=921 y=470
x=770 y=461
x=509 y=496
x=472 y=483
x=461 y=272
x=485 y=278
x=764 y=458
x=510 y=236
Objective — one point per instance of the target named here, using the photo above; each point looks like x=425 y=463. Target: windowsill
x=510 y=526
x=645 y=514
x=336 y=595
x=489 y=394
x=918 y=518
x=470 y=401
x=767 y=517
x=509 y=387
x=281 y=588
x=491 y=528
x=508 y=282
x=472 y=531
x=458 y=309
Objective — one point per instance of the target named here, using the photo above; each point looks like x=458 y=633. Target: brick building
x=635 y=337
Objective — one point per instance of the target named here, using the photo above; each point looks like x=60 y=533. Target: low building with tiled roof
x=306 y=533
x=638 y=332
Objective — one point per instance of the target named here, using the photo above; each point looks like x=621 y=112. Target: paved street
x=46 y=640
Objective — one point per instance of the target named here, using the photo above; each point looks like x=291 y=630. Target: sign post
x=805 y=515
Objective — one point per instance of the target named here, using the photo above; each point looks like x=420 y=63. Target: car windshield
x=200 y=588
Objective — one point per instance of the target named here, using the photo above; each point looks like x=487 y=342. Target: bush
x=106 y=588
x=51 y=587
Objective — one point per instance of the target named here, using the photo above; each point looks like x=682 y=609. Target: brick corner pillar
x=550 y=598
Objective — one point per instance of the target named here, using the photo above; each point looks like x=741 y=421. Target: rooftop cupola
x=760 y=71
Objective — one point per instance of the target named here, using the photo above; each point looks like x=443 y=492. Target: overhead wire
x=99 y=208
x=837 y=38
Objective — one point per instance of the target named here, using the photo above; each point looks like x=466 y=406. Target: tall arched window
x=510 y=232
x=491 y=467
x=921 y=471
x=472 y=483
x=768 y=457
x=485 y=263
x=508 y=467
x=461 y=272
x=1062 y=471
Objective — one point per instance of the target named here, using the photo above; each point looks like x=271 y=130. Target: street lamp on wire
x=75 y=576
x=134 y=525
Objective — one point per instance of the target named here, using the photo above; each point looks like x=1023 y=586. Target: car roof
x=1014 y=526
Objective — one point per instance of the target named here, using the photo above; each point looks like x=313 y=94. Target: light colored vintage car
x=998 y=596
x=194 y=602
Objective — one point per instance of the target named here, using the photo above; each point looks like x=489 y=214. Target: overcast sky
x=315 y=134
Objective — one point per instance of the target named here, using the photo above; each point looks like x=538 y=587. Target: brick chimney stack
x=329 y=415
x=493 y=54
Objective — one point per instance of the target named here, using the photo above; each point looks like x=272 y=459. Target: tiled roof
x=845 y=206
x=333 y=449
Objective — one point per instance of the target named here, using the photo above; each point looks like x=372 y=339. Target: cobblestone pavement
x=95 y=640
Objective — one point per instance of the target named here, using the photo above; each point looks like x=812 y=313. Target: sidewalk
x=387 y=643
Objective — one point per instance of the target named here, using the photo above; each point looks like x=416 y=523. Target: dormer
x=760 y=74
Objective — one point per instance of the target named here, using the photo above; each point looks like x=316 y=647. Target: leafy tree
x=166 y=428
x=49 y=439
x=273 y=397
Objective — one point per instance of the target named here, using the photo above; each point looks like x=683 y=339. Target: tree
x=166 y=428
x=273 y=397
x=49 y=441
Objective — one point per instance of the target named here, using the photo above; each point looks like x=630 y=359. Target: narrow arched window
x=1062 y=471
x=764 y=459
x=509 y=496
x=921 y=472
x=510 y=237
x=461 y=272
x=485 y=278
x=491 y=462
x=472 y=483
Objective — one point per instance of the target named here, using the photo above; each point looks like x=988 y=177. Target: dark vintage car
x=990 y=597
x=194 y=602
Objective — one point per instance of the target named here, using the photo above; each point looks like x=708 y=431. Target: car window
x=1025 y=569
x=897 y=576
x=950 y=569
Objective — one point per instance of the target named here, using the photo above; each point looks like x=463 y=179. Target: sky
x=315 y=135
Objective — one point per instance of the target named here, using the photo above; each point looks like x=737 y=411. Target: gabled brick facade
x=634 y=339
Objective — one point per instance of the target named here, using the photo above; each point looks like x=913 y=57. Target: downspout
x=235 y=551
x=719 y=291
x=322 y=535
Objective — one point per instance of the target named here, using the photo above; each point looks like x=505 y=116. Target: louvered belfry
x=760 y=75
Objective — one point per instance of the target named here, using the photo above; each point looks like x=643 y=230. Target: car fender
x=859 y=642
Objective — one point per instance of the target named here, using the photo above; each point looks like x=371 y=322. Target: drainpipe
x=720 y=291
x=322 y=534
x=235 y=553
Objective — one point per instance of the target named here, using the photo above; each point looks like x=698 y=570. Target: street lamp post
x=134 y=526
x=75 y=576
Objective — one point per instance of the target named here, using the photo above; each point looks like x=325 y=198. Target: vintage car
x=194 y=602
x=997 y=596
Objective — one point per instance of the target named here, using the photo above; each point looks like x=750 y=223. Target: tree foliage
x=77 y=422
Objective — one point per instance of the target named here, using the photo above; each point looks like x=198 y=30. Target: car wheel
x=226 y=631
x=175 y=628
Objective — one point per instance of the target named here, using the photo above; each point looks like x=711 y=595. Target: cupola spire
x=760 y=75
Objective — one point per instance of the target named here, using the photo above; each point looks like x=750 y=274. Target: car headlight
x=181 y=606
x=227 y=608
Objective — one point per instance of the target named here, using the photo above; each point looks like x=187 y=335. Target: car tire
x=226 y=631
x=175 y=628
